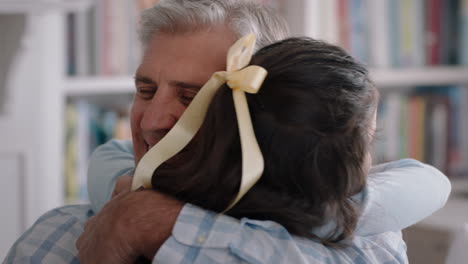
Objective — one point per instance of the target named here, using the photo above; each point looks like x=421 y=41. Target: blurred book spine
x=87 y=127
x=427 y=124
x=102 y=40
x=433 y=31
x=343 y=28
x=394 y=10
x=378 y=34
x=358 y=30
x=394 y=33
x=463 y=46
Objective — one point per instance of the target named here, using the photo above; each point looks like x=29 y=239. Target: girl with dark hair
x=313 y=186
x=314 y=120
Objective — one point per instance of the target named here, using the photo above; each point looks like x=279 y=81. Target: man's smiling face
x=173 y=69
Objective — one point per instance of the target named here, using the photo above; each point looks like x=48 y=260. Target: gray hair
x=241 y=16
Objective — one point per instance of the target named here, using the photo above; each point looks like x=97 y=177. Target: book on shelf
x=463 y=29
x=358 y=36
x=416 y=126
x=411 y=34
x=87 y=126
x=417 y=38
x=392 y=33
x=103 y=39
x=403 y=129
x=450 y=26
x=433 y=31
x=70 y=160
x=463 y=128
x=82 y=41
x=71 y=44
x=378 y=34
x=394 y=9
x=343 y=30
x=425 y=124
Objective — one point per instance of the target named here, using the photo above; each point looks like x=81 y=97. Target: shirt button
x=201 y=239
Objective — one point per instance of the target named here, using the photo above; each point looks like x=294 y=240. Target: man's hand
x=122 y=185
x=132 y=224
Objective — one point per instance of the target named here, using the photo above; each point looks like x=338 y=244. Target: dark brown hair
x=311 y=119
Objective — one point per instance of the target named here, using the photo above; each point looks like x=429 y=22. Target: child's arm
x=107 y=163
x=400 y=194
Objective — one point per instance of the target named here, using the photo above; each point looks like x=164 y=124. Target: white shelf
x=75 y=86
x=32 y=6
x=442 y=75
x=384 y=79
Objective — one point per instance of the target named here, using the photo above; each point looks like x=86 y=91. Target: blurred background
x=66 y=87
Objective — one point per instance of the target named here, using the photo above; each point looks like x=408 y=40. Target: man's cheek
x=136 y=114
x=139 y=146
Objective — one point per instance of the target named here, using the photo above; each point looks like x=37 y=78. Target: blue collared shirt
x=201 y=236
x=388 y=203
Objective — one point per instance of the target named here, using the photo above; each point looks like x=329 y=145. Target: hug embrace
x=316 y=198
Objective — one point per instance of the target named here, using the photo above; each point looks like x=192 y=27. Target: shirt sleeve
x=400 y=194
x=200 y=236
x=52 y=238
x=108 y=162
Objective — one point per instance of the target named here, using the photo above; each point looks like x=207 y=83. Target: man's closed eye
x=186 y=95
x=146 y=93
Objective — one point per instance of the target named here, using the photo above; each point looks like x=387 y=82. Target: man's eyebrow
x=186 y=85
x=143 y=79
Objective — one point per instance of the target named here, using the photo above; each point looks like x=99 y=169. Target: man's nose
x=162 y=112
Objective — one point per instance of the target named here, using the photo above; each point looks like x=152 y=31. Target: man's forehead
x=214 y=39
x=183 y=76
x=185 y=58
x=181 y=69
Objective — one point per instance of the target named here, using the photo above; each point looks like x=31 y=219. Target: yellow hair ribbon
x=240 y=80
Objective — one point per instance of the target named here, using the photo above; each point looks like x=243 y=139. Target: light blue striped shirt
x=200 y=236
x=393 y=200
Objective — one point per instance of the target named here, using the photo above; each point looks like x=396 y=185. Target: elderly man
x=184 y=42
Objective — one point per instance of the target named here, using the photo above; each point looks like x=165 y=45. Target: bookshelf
x=386 y=79
x=28 y=6
x=348 y=23
x=32 y=128
x=418 y=54
x=417 y=51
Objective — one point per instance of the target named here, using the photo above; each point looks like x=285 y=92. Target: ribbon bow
x=240 y=80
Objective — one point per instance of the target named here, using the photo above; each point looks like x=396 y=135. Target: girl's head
x=313 y=119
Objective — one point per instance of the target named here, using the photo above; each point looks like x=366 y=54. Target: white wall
x=31 y=130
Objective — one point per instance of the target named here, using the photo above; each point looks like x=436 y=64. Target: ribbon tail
x=180 y=135
x=252 y=159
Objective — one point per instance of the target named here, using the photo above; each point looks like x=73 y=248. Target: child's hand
x=122 y=185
